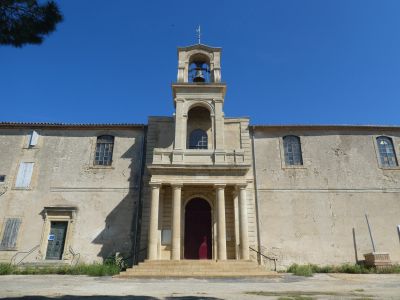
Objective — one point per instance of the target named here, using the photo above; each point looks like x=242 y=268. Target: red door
x=198 y=229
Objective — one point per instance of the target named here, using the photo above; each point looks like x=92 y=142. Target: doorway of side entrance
x=56 y=240
x=198 y=233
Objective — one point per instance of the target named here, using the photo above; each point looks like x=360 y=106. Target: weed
x=81 y=269
x=301 y=270
x=308 y=270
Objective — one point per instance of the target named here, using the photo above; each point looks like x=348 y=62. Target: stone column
x=221 y=225
x=235 y=196
x=176 y=221
x=153 y=228
x=243 y=223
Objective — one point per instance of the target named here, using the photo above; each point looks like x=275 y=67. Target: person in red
x=203 y=249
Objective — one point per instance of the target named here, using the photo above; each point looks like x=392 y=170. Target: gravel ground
x=320 y=286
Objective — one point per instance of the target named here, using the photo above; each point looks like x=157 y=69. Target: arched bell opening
x=199 y=68
x=198 y=230
x=199 y=129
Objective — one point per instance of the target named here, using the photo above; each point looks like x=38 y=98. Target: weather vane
x=198 y=32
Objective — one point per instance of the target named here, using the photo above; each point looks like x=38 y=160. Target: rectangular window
x=104 y=150
x=24 y=175
x=2 y=178
x=10 y=234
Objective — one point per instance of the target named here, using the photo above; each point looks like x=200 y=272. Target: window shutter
x=9 y=240
x=33 y=139
x=24 y=175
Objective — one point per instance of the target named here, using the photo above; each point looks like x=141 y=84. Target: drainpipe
x=256 y=195
x=138 y=213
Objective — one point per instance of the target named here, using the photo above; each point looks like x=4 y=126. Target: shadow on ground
x=70 y=297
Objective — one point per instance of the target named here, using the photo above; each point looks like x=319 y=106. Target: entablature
x=199 y=89
x=199 y=177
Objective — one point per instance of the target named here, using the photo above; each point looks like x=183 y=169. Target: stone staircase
x=197 y=268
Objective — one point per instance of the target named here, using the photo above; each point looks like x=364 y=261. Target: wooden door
x=198 y=239
x=56 y=240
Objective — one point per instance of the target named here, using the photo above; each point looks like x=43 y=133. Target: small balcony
x=209 y=157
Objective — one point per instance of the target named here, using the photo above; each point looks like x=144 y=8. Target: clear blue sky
x=285 y=62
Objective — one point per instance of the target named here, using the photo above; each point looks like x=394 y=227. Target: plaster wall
x=308 y=213
x=105 y=198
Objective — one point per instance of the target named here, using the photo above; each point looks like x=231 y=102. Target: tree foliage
x=27 y=21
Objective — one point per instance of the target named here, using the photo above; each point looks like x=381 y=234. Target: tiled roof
x=70 y=125
x=327 y=126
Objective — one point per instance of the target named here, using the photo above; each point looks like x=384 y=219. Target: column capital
x=155 y=185
x=176 y=185
x=219 y=186
x=241 y=186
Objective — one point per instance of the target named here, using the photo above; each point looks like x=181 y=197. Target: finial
x=198 y=32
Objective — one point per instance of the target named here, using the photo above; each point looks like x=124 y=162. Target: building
x=198 y=185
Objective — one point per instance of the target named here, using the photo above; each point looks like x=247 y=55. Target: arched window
x=104 y=150
x=387 y=154
x=198 y=139
x=292 y=149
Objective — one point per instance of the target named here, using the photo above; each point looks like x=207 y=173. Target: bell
x=199 y=77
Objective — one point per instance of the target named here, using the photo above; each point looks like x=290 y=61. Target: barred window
x=104 y=150
x=198 y=139
x=292 y=150
x=387 y=153
x=10 y=234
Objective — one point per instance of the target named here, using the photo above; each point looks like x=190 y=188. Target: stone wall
x=315 y=213
x=104 y=199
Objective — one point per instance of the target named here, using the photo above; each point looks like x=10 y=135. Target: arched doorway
x=198 y=229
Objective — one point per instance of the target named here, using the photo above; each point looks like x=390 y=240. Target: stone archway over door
x=197 y=226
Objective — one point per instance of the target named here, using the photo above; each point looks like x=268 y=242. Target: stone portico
x=228 y=219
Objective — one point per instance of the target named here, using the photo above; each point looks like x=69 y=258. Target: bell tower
x=199 y=63
x=198 y=155
x=198 y=98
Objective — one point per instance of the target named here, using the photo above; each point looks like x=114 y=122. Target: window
x=10 y=233
x=24 y=175
x=2 y=178
x=198 y=139
x=33 y=139
x=292 y=150
x=387 y=154
x=104 y=150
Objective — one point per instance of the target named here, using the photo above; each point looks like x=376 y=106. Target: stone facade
x=316 y=212
x=97 y=202
x=253 y=198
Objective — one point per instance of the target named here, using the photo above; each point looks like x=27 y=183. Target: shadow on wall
x=118 y=234
x=68 y=297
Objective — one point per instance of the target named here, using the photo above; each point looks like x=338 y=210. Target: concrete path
x=320 y=286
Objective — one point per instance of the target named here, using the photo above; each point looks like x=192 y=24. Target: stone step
x=197 y=262
x=199 y=275
x=197 y=268
x=201 y=268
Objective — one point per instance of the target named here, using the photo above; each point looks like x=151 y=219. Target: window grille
x=10 y=234
x=104 y=150
x=292 y=149
x=198 y=139
x=387 y=153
